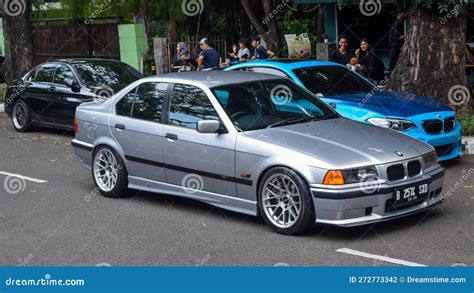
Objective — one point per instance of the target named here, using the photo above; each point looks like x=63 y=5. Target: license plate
x=411 y=194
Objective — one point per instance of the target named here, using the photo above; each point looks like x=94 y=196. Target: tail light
x=76 y=125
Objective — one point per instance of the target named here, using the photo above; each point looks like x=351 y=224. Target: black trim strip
x=188 y=170
x=81 y=146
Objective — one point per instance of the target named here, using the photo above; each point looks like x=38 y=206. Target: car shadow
x=185 y=205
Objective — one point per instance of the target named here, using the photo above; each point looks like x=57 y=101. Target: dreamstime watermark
x=14 y=7
x=192 y=183
x=25 y=261
x=281 y=95
x=278 y=9
x=378 y=88
x=370 y=7
x=101 y=8
x=286 y=3
x=459 y=95
x=370 y=185
x=452 y=13
x=102 y=93
x=458 y=184
x=192 y=7
x=14 y=185
x=17 y=92
x=91 y=195
x=203 y=261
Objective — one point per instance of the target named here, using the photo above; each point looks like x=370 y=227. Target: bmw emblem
x=400 y=154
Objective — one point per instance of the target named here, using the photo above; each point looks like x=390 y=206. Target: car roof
x=81 y=60
x=214 y=78
x=288 y=64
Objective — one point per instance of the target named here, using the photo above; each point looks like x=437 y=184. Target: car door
x=39 y=97
x=66 y=99
x=137 y=126
x=197 y=161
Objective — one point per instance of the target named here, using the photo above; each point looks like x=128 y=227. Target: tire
x=285 y=195
x=106 y=162
x=21 y=118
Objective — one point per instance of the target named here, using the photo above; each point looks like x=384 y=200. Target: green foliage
x=467 y=122
x=290 y=23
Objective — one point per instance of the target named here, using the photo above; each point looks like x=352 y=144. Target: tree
x=18 y=39
x=268 y=28
x=432 y=60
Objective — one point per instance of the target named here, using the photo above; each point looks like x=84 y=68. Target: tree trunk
x=432 y=60
x=18 y=44
x=273 y=31
x=252 y=17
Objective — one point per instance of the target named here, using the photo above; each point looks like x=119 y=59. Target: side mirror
x=208 y=126
x=71 y=83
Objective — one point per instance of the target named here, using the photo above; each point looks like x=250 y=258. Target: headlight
x=430 y=159
x=395 y=124
x=348 y=176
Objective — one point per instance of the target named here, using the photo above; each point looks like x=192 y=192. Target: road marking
x=23 y=177
x=380 y=257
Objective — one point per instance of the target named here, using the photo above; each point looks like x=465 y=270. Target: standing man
x=209 y=58
x=260 y=52
x=341 y=55
x=396 y=38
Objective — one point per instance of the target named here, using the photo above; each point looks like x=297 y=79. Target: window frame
x=163 y=106
x=168 y=107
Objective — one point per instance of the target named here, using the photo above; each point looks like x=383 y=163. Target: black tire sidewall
x=307 y=216
x=27 y=115
x=121 y=188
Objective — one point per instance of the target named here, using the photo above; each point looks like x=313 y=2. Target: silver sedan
x=254 y=144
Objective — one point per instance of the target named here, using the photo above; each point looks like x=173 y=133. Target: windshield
x=332 y=80
x=110 y=73
x=270 y=103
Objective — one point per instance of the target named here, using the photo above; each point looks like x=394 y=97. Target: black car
x=48 y=95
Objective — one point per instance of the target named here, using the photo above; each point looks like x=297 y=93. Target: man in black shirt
x=396 y=38
x=341 y=55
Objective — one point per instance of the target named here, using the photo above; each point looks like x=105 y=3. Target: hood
x=343 y=143
x=391 y=104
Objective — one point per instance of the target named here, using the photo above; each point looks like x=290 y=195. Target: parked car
x=48 y=95
x=357 y=98
x=227 y=140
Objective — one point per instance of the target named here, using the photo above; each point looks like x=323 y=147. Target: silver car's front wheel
x=109 y=172
x=285 y=201
x=281 y=200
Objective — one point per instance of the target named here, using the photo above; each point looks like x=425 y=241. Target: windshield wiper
x=294 y=120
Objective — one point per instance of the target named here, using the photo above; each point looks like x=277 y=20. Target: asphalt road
x=65 y=222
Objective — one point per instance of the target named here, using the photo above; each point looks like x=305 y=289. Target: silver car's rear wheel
x=281 y=200
x=106 y=170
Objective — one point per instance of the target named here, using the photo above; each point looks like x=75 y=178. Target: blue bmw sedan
x=357 y=98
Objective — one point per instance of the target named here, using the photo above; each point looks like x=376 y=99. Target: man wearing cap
x=208 y=58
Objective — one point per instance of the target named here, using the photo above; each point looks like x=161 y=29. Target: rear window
x=110 y=73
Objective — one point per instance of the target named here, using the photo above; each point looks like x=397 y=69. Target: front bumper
x=355 y=206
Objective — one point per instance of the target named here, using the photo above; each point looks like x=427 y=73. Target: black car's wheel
x=21 y=118
x=285 y=201
x=109 y=173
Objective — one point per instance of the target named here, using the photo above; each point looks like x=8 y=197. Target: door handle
x=171 y=136
x=120 y=126
x=51 y=89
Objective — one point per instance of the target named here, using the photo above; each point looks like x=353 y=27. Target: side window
x=124 y=106
x=31 y=76
x=190 y=104
x=269 y=71
x=62 y=73
x=148 y=103
x=45 y=73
